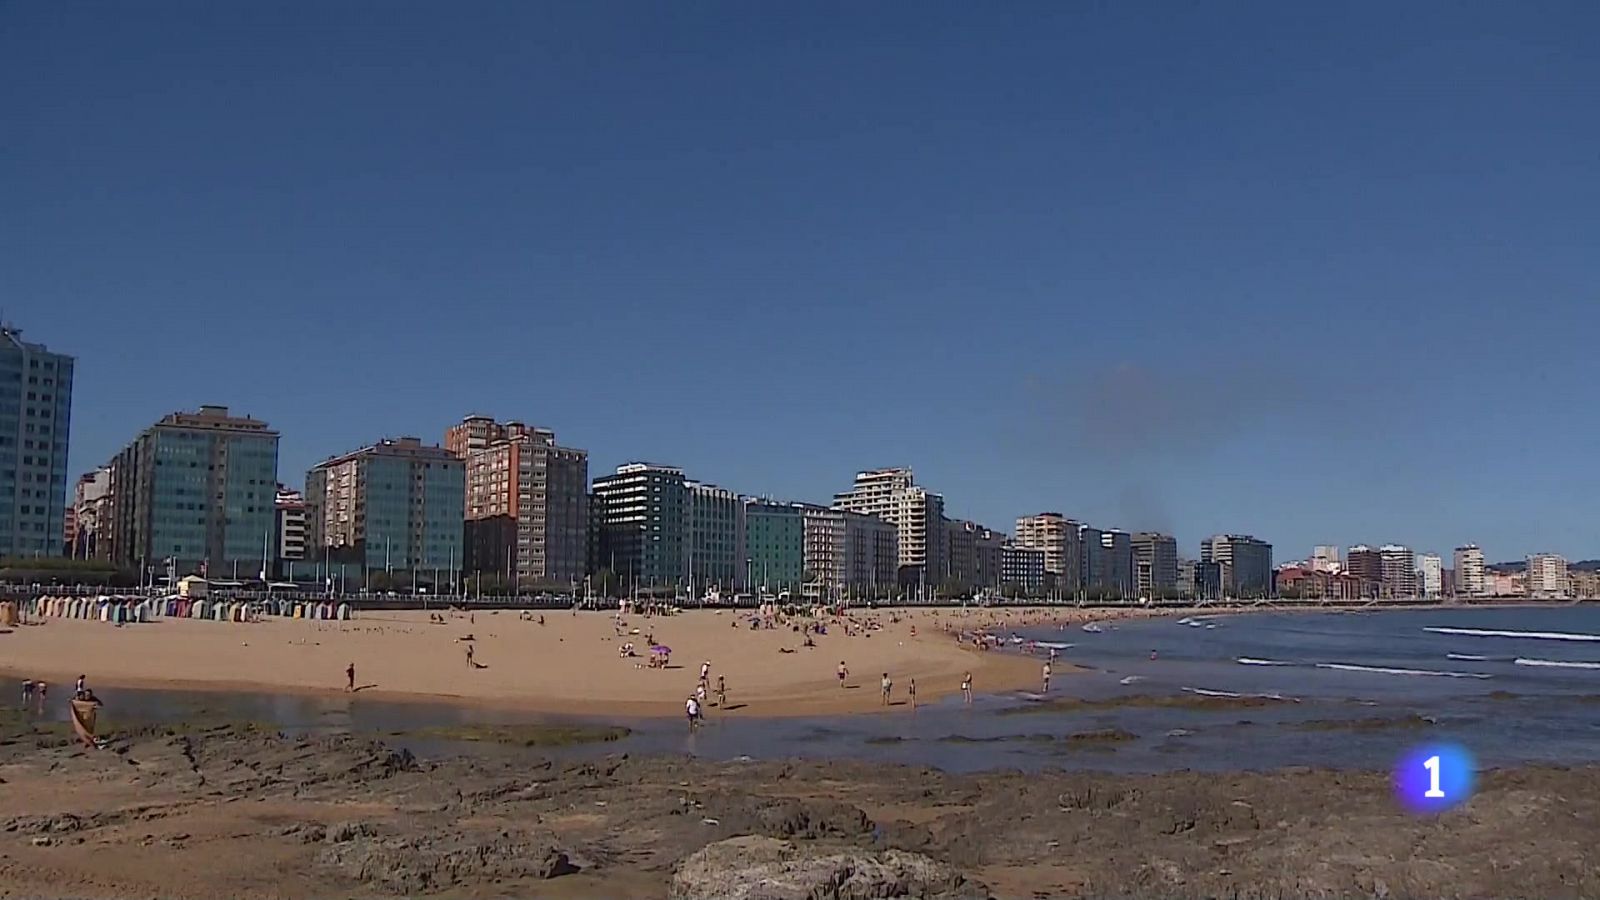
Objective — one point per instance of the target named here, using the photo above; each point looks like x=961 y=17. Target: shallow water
x=1376 y=670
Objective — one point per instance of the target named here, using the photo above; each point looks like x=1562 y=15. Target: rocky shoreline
x=203 y=810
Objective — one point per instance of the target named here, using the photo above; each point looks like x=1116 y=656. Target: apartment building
x=527 y=501
x=916 y=513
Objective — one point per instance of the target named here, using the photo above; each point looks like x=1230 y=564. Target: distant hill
x=1521 y=565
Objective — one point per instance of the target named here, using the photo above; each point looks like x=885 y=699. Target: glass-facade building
x=394 y=506
x=199 y=489
x=35 y=414
x=775 y=546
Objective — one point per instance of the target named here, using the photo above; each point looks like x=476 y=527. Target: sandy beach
x=568 y=664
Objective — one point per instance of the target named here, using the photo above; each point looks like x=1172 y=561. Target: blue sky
x=1326 y=274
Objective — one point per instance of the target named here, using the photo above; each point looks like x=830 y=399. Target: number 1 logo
x=1433 y=792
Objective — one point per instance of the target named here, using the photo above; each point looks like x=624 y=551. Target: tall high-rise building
x=713 y=538
x=1119 y=561
x=1244 y=562
x=527 y=501
x=643 y=521
x=1430 y=574
x=1399 y=567
x=199 y=489
x=35 y=420
x=917 y=515
x=395 y=506
x=1094 y=564
x=1059 y=538
x=1547 y=576
x=1155 y=564
x=850 y=551
x=1469 y=571
x=1325 y=558
x=774 y=547
x=972 y=554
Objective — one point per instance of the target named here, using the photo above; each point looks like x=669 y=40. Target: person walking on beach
x=966 y=688
x=350 y=677
x=1047 y=677
x=469 y=657
x=888 y=688
x=705 y=672
x=700 y=694
x=911 y=691
x=722 y=692
x=842 y=673
x=691 y=708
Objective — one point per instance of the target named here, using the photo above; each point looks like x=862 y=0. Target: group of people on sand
x=695 y=706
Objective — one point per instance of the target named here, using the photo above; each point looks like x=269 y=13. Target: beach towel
x=84 y=713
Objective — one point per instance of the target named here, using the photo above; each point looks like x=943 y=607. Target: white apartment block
x=1547 y=576
x=916 y=514
x=1430 y=574
x=1325 y=558
x=1469 y=571
x=1058 y=537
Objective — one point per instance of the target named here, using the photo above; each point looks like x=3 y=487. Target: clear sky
x=1325 y=273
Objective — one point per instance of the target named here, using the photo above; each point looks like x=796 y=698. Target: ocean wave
x=1051 y=645
x=1381 y=670
x=1132 y=679
x=1248 y=661
x=1556 y=663
x=1207 y=692
x=1527 y=635
x=1466 y=657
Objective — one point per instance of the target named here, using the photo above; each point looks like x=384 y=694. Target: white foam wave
x=1206 y=692
x=1526 y=635
x=1048 y=645
x=1381 y=670
x=1262 y=662
x=1466 y=657
x=1557 y=663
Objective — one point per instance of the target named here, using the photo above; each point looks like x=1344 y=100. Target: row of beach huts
x=129 y=610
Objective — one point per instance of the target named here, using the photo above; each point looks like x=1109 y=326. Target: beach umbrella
x=661 y=649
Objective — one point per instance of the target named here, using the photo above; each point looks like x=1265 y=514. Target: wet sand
x=570 y=664
x=197 y=810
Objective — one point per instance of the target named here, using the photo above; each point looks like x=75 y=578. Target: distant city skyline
x=1158 y=269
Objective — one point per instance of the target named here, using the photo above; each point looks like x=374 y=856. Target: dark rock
x=349 y=831
x=760 y=868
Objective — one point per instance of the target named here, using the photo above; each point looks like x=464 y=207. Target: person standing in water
x=691 y=709
x=1047 y=677
x=911 y=690
x=350 y=677
x=966 y=688
x=27 y=693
